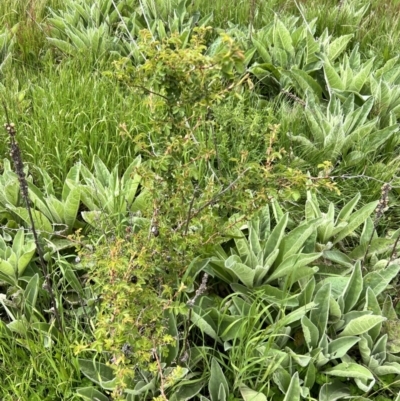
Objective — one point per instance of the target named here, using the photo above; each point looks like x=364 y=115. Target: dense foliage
x=199 y=201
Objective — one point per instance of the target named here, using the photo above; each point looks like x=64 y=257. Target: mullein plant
x=15 y=153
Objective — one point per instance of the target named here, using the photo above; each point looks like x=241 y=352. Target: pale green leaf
x=102 y=172
x=293 y=316
x=352 y=370
x=319 y=315
x=98 y=372
x=282 y=37
x=91 y=394
x=204 y=325
x=64 y=46
x=293 y=242
x=244 y=273
x=26 y=257
x=360 y=79
x=71 y=180
x=40 y=220
x=356 y=220
x=310 y=331
x=332 y=78
x=333 y=391
x=292 y=263
x=379 y=280
x=293 y=392
x=251 y=395
x=6 y=268
x=353 y=289
x=339 y=347
x=361 y=325
x=186 y=391
x=217 y=379
x=338 y=46
x=71 y=207
x=30 y=296
x=262 y=50
x=276 y=235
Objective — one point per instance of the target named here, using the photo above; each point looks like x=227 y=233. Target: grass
x=203 y=165
x=62 y=123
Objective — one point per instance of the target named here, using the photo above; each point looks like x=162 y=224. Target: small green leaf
x=63 y=46
x=282 y=37
x=41 y=222
x=102 y=172
x=293 y=316
x=243 y=273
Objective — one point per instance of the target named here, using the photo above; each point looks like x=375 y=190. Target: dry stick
x=58 y=233
x=349 y=177
x=393 y=250
x=214 y=136
x=379 y=211
x=150 y=91
x=19 y=168
x=200 y=291
x=162 y=384
x=190 y=209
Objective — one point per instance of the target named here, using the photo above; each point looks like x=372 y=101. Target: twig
x=346 y=177
x=200 y=291
x=214 y=199
x=293 y=97
x=150 y=91
x=379 y=211
x=393 y=250
x=219 y=194
x=56 y=233
x=19 y=169
x=190 y=209
x=162 y=384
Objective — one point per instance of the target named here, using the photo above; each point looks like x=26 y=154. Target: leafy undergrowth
x=200 y=201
